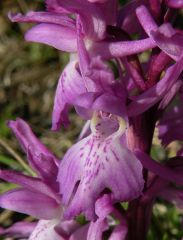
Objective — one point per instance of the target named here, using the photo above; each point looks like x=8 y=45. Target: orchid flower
x=95 y=163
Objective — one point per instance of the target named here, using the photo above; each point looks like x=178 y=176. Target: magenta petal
x=45 y=166
x=171 y=94
x=96 y=163
x=96 y=229
x=107 y=102
x=97 y=76
x=19 y=229
x=80 y=233
x=69 y=87
x=109 y=50
x=40 y=158
x=103 y=207
x=43 y=17
x=119 y=232
x=146 y=20
x=31 y=203
x=150 y=97
x=165 y=36
x=54 y=6
x=94 y=20
x=175 y=3
x=57 y=36
x=163 y=171
x=171 y=44
x=30 y=183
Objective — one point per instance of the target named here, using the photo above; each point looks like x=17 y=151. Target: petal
x=30 y=183
x=40 y=158
x=96 y=74
x=86 y=103
x=165 y=36
x=43 y=17
x=109 y=50
x=103 y=207
x=175 y=4
x=31 y=203
x=54 y=6
x=92 y=17
x=80 y=233
x=57 y=36
x=146 y=20
x=19 y=229
x=66 y=228
x=171 y=94
x=171 y=45
x=45 y=166
x=94 y=164
x=119 y=232
x=163 y=171
x=96 y=229
x=127 y=19
x=153 y=95
x=69 y=87
x=45 y=231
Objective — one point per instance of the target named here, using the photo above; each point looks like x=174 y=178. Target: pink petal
x=69 y=87
x=31 y=203
x=40 y=158
x=43 y=17
x=30 y=183
x=153 y=95
x=19 y=229
x=163 y=171
x=109 y=50
x=57 y=36
x=165 y=36
x=87 y=103
x=175 y=4
x=94 y=164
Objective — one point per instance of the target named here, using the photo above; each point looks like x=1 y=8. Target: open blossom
x=94 y=164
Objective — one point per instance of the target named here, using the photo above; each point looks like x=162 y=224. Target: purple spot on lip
x=94 y=154
x=105 y=149
x=115 y=155
x=107 y=159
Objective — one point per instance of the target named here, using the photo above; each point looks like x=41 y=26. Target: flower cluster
x=110 y=163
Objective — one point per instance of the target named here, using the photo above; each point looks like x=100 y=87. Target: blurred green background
x=28 y=77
